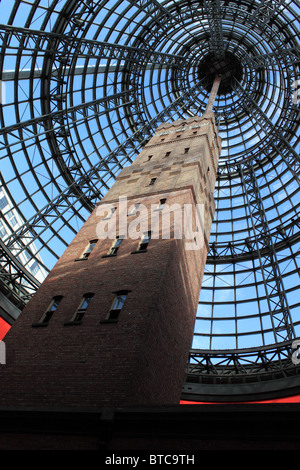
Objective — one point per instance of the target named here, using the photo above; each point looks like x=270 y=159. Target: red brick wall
x=140 y=359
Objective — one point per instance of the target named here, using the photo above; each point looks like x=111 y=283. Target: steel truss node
x=84 y=86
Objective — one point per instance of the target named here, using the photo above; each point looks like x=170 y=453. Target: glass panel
x=86 y=302
x=119 y=302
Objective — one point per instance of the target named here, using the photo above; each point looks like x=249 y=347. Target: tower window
x=116 y=246
x=149 y=157
x=117 y=305
x=89 y=248
x=134 y=209
x=87 y=298
x=186 y=150
x=112 y=211
x=144 y=241
x=168 y=154
x=50 y=310
x=152 y=181
x=161 y=204
x=179 y=135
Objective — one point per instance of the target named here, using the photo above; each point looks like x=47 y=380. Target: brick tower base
x=113 y=322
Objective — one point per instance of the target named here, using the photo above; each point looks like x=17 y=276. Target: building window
x=34 y=268
x=167 y=154
x=117 y=305
x=11 y=218
x=152 y=181
x=28 y=254
x=112 y=211
x=179 y=135
x=89 y=248
x=149 y=157
x=144 y=241
x=134 y=209
x=116 y=245
x=50 y=310
x=2 y=230
x=161 y=205
x=87 y=298
x=3 y=202
x=186 y=150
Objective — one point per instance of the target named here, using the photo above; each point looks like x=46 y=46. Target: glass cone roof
x=84 y=84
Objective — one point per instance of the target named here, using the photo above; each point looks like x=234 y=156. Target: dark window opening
x=152 y=181
x=89 y=248
x=167 y=154
x=112 y=211
x=149 y=157
x=186 y=150
x=87 y=298
x=133 y=209
x=116 y=246
x=144 y=241
x=161 y=204
x=117 y=305
x=50 y=310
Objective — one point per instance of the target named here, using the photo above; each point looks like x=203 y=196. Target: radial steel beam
x=66 y=47
x=213 y=12
x=266 y=10
x=260 y=19
x=14 y=277
x=275 y=292
x=27 y=74
x=160 y=15
x=55 y=115
x=292 y=159
x=280 y=57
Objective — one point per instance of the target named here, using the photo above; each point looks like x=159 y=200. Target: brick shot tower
x=113 y=322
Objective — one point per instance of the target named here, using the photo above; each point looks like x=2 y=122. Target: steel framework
x=84 y=84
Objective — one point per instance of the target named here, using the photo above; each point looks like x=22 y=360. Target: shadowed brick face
x=140 y=356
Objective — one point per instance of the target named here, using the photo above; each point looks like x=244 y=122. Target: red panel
x=294 y=399
x=4 y=327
